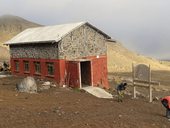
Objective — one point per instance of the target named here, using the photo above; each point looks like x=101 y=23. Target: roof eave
x=34 y=42
x=111 y=40
x=98 y=30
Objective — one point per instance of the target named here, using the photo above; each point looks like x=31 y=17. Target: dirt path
x=69 y=108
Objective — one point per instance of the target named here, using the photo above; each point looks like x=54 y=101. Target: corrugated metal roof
x=47 y=33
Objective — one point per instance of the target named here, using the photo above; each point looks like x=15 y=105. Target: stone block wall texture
x=36 y=51
x=83 y=41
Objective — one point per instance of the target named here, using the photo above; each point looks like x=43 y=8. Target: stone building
x=72 y=54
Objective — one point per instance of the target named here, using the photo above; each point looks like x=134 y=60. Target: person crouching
x=120 y=91
x=166 y=103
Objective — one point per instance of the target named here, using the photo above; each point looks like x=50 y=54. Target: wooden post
x=150 y=93
x=133 y=77
x=134 y=91
x=150 y=86
x=79 y=69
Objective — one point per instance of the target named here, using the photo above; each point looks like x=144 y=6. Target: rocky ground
x=58 y=107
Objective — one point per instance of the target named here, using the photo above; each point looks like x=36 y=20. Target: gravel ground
x=72 y=108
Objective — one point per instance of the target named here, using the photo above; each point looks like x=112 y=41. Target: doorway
x=85 y=70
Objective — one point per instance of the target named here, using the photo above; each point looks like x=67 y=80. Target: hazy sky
x=141 y=25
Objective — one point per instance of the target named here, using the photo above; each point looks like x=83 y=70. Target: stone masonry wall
x=84 y=41
x=45 y=51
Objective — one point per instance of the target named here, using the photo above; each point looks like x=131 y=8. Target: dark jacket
x=121 y=87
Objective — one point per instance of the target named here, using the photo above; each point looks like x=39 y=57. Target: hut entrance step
x=98 y=92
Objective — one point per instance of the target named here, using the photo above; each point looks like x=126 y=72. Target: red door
x=72 y=78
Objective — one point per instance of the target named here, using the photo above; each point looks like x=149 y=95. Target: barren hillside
x=4 y=54
x=120 y=59
x=9 y=27
x=12 y=25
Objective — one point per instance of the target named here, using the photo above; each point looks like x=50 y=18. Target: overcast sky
x=141 y=25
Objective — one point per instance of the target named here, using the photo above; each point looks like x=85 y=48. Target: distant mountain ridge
x=9 y=27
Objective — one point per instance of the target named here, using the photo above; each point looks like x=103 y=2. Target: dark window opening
x=26 y=66
x=50 y=68
x=37 y=67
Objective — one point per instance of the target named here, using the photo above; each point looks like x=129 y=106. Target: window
x=37 y=67
x=16 y=65
x=50 y=68
x=26 y=66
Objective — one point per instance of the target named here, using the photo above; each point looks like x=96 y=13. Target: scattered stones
x=140 y=94
x=64 y=86
x=76 y=112
x=47 y=83
x=114 y=122
x=3 y=76
x=58 y=111
x=44 y=87
x=120 y=116
x=87 y=124
x=28 y=85
x=53 y=85
x=156 y=98
x=153 y=124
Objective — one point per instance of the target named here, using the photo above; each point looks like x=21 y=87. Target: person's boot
x=168 y=113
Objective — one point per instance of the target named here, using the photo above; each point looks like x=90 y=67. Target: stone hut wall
x=82 y=42
x=45 y=51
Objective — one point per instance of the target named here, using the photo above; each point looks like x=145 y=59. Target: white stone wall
x=82 y=42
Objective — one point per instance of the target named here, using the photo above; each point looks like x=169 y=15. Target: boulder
x=28 y=85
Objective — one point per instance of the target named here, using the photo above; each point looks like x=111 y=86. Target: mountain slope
x=4 y=54
x=12 y=25
x=9 y=27
x=120 y=59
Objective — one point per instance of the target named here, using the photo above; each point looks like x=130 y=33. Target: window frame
x=37 y=67
x=26 y=66
x=16 y=63
x=50 y=69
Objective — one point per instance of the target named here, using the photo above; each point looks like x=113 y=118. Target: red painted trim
x=58 y=64
x=63 y=67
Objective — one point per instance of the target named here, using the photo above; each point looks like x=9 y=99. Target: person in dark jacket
x=120 y=91
x=166 y=103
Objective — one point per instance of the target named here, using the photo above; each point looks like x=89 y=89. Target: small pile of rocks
x=47 y=85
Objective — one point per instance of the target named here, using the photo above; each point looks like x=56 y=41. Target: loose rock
x=28 y=85
x=47 y=83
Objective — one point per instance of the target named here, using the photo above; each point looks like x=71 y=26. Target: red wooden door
x=73 y=79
